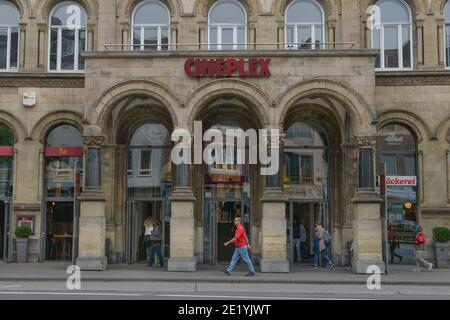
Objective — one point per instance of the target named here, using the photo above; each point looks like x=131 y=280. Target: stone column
x=182 y=223
x=92 y=229
x=273 y=222
x=367 y=226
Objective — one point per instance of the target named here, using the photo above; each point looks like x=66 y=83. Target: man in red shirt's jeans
x=241 y=249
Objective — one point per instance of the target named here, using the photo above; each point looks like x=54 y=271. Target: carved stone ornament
x=361 y=142
x=94 y=141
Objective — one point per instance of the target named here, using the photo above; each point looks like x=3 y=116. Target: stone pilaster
x=367 y=226
x=92 y=224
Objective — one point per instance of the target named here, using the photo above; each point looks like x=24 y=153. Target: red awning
x=63 y=152
x=6 y=151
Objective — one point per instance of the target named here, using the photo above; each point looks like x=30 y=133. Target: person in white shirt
x=149 y=225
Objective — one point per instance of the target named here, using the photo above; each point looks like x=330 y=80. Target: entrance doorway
x=307 y=213
x=138 y=212
x=219 y=227
x=59 y=230
x=5 y=227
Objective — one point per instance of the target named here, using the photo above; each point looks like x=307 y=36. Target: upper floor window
x=447 y=34
x=393 y=36
x=150 y=26
x=304 y=25
x=227 y=26
x=9 y=36
x=67 y=39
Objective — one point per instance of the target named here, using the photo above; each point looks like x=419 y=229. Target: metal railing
x=230 y=47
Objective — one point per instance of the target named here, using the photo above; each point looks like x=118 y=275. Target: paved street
x=48 y=281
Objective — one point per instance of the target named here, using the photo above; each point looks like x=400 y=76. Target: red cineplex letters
x=218 y=68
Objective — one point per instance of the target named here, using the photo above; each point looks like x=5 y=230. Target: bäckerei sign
x=231 y=67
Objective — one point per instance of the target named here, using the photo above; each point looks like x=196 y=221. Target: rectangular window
x=447 y=45
x=54 y=49
x=81 y=48
x=406 y=47
x=145 y=162
x=391 y=52
x=241 y=38
x=164 y=38
x=410 y=165
x=304 y=37
x=319 y=38
x=293 y=167
x=136 y=38
x=376 y=44
x=213 y=38
x=307 y=169
x=227 y=38
x=14 y=48
x=289 y=36
x=151 y=39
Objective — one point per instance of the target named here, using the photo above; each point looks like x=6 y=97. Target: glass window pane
x=68 y=50
x=151 y=13
x=289 y=35
x=82 y=48
x=319 y=36
x=303 y=12
x=293 y=167
x=136 y=38
x=391 y=47
x=3 y=47
x=164 y=38
x=304 y=37
x=65 y=135
x=376 y=44
x=53 y=49
x=93 y=168
x=406 y=46
x=447 y=44
x=241 y=38
x=391 y=166
x=14 y=47
x=307 y=169
x=70 y=14
x=393 y=11
x=6 y=136
x=9 y=15
x=145 y=162
x=213 y=38
x=151 y=38
x=227 y=39
x=6 y=176
x=151 y=134
x=227 y=12
x=410 y=165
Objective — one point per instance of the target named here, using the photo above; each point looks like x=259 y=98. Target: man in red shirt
x=241 y=249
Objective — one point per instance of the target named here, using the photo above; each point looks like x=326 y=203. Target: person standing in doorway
x=241 y=249
x=320 y=249
x=303 y=246
x=149 y=225
x=419 y=249
x=296 y=238
x=155 y=250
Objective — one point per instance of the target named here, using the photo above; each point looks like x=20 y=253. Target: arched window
x=150 y=26
x=304 y=25
x=227 y=26
x=447 y=34
x=392 y=37
x=397 y=152
x=9 y=36
x=67 y=39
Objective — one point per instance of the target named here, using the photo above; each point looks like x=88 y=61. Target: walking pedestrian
x=394 y=244
x=155 y=250
x=320 y=248
x=149 y=225
x=419 y=249
x=296 y=238
x=303 y=246
x=242 y=246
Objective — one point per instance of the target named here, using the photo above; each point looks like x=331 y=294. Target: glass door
x=5 y=228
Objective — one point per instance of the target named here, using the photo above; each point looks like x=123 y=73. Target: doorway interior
x=59 y=230
x=5 y=227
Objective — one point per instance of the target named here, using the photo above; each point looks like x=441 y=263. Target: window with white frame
x=150 y=26
x=9 y=36
x=145 y=162
x=67 y=37
x=392 y=37
x=305 y=25
x=227 y=26
x=447 y=34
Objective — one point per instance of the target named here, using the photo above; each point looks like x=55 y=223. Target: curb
x=235 y=281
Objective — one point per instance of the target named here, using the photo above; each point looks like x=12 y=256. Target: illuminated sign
x=219 y=68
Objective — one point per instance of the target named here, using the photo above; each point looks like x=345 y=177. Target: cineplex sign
x=230 y=67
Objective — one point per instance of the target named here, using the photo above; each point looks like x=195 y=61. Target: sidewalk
x=303 y=274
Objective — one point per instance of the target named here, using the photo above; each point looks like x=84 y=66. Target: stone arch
x=439 y=6
x=43 y=8
x=443 y=130
x=17 y=127
x=231 y=87
x=279 y=7
x=125 y=8
x=410 y=120
x=98 y=111
x=202 y=7
x=359 y=110
x=51 y=120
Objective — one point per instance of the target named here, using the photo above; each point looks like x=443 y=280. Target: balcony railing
x=231 y=47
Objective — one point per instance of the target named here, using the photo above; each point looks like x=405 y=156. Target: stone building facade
x=336 y=86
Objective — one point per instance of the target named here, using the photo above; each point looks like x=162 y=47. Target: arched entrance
x=229 y=188
x=6 y=189
x=63 y=175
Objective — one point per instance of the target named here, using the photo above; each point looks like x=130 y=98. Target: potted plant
x=441 y=237
x=22 y=234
